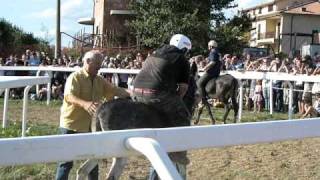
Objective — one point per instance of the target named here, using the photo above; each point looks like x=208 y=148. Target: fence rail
x=240 y=75
x=236 y=74
x=19 y=151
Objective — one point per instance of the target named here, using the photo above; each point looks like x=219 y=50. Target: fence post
x=24 y=111
x=271 y=97
x=37 y=86
x=240 y=101
x=290 y=109
x=156 y=155
x=49 y=88
x=5 y=108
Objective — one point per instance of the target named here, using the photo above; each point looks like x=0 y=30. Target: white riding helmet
x=180 y=41
x=212 y=43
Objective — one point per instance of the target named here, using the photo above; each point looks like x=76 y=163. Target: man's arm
x=72 y=93
x=208 y=66
x=213 y=58
x=112 y=91
x=122 y=92
x=89 y=106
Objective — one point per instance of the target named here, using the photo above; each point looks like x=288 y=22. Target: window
x=259 y=31
x=270 y=8
x=260 y=10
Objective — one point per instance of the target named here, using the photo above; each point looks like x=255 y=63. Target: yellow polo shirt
x=80 y=84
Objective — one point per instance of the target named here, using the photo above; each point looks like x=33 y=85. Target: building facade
x=284 y=25
x=110 y=18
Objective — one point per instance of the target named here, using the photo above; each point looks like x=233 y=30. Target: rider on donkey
x=211 y=70
x=162 y=82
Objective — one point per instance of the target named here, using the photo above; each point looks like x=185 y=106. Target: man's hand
x=91 y=107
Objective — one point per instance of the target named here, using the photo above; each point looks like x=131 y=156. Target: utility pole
x=57 y=52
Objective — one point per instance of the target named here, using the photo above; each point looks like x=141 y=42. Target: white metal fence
x=18 y=151
x=7 y=82
x=240 y=75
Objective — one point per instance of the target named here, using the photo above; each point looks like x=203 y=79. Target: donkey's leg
x=227 y=109
x=210 y=112
x=85 y=168
x=200 y=108
x=116 y=168
x=235 y=108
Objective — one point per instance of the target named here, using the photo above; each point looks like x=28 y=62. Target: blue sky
x=38 y=16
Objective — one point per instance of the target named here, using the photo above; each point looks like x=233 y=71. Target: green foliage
x=35 y=172
x=156 y=21
x=14 y=40
x=14 y=130
x=233 y=35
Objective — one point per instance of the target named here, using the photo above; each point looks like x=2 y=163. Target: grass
x=286 y=160
x=42 y=120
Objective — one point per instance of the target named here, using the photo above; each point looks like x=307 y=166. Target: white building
x=284 y=25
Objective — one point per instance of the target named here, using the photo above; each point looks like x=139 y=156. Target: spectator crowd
x=306 y=96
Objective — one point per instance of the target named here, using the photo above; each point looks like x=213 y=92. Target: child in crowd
x=312 y=111
x=258 y=97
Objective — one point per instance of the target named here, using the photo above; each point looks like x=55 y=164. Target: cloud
x=245 y=3
x=249 y=3
x=68 y=7
x=47 y=13
x=242 y=4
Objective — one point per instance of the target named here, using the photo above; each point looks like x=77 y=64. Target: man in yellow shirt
x=84 y=90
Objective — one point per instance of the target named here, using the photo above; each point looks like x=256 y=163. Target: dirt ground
x=285 y=160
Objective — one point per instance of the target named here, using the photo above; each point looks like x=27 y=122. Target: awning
x=121 y=12
x=86 y=21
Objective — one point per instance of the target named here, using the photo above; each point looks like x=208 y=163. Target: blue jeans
x=64 y=168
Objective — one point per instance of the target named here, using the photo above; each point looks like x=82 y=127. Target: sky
x=38 y=16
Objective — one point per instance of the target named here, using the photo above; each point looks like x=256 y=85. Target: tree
x=233 y=35
x=13 y=40
x=157 y=20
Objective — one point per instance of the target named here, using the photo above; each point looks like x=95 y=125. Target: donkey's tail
x=235 y=87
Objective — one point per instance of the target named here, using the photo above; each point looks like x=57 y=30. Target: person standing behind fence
x=298 y=68
x=84 y=90
x=307 y=87
x=34 y=60
x=284 y=68
x=257 y=98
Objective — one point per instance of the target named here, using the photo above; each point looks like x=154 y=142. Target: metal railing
x=266 y=35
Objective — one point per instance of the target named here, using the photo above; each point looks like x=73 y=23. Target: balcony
x=266 y=38
x=266 y=35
